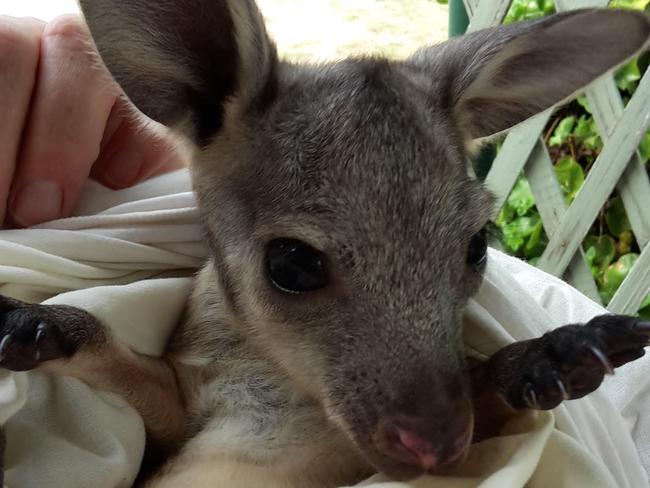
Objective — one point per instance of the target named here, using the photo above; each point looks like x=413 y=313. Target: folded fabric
x=127 y=257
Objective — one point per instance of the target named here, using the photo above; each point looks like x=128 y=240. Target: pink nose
x=421 y=451
x=406 y=446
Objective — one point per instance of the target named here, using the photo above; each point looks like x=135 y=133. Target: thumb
x=132 y=150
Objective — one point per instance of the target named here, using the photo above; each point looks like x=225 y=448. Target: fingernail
x=37 y=202
x=121 y=171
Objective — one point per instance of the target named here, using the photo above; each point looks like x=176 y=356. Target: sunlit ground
x=321 y=29
x=327 y=29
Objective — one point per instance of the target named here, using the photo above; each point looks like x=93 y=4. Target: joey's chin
x=405 y=471
x=398 y=471
x=403 y=455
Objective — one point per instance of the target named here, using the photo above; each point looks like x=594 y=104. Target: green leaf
x=521 y=199
x=562 y=131
x=644 y=313
x=506 y=214
x=586 y=127
x=514 y=233
x=628 y=76
x=584 y=102
x=536 y=243
x=624 y=244
x=594 y=143
x=644 y=309
x=617 y=272
x=590 y=254
x=616 y=217
x=586 y=133
x=528 y=9
x=571 y=176
x=600 y=252
x=644 y=148
x=630 y=4
x=516 y=12
x=548 y=7
x=644 y=59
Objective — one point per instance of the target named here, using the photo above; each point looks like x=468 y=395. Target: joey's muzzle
x=412 y=442
x=425 y=429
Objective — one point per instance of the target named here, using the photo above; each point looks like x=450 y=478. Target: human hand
x=64 y=119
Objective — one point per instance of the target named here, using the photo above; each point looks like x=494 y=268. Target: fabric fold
x=128 y=257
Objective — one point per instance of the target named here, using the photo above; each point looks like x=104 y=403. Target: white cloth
x=127 y=258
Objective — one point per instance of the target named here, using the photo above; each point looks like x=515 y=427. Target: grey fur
x=365 y=160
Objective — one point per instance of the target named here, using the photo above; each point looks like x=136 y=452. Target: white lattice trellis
x=618 y=166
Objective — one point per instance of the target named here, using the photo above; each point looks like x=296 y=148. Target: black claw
x=602 y=359
x=530 y=397
x=4 y=345
x=563 y=389
x=41 y=334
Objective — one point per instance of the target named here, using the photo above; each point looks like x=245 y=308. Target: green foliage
x=627 y=78
x=586 y=133
x=571 y=176
x=644 y=312
x=600 y=251
x=521 y=227
x=574 y=144
x=528 y=9
x=563 y=131
x=613 y=276
x=521 y=198
x=616 y=218
x=517 y=232
x=630 y=4
x=644 y=148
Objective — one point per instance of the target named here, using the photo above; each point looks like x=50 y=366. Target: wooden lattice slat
x=551 y=206
x=600 y=181
x=618 y=166
x=635 y=287
x=563 y=5
x=512 y=157
x=487 y=14
x=634 y=187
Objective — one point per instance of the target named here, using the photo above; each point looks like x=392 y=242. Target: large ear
x=180 y=61
x=495 y=78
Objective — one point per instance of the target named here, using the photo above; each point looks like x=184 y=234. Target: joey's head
x=343 y=225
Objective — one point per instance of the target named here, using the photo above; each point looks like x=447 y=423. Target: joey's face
x=349 y=238
x=343 y=225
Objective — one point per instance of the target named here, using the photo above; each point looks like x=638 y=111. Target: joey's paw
x=569 y=362
x=30 y=335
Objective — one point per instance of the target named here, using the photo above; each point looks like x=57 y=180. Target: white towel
x=127 y=257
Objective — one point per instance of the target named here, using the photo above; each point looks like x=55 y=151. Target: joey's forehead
x=390 y=185
x=356 y=146
x=377 y=211
x=403 y=174
x=376 y=146
x=349 y=103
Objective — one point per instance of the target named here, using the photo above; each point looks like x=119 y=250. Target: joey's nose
x=414 y=442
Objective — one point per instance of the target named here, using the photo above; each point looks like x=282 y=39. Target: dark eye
x=477 y=250
x=294 y=266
